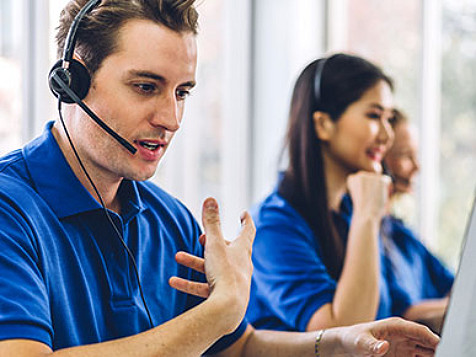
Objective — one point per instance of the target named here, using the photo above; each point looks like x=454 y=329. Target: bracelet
x=318 y=343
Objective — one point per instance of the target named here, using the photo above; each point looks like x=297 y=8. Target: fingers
x=377 y=167
x=409 y=338
x=361 y=178
x=423 y=352
x=248 y=230
x=190 y=261
x=422 y=335
x=211 y=220
x=369 y=192
x=190 y=287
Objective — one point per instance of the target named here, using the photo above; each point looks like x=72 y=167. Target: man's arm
x=189 y=334
x=193 y=332
x=392 y=337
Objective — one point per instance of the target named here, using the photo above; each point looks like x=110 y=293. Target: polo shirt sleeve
x=288 y=268
x=24 y=307
x=427 y=277
x=441 y=278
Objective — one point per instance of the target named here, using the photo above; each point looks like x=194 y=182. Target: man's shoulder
x=17 y=193
x=13 y=165
x=15 y=182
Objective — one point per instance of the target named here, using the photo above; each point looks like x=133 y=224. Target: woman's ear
x=323 y=125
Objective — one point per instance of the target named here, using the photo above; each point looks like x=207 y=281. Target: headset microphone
x=58 y=81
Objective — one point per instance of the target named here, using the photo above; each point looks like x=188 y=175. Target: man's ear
x=323 y=125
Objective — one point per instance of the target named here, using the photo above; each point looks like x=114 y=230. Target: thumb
x=247 y=232
x=379 y=348
x=211 y=219
x=371 y=346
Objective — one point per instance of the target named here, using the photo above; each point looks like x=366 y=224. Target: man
x=68 y=283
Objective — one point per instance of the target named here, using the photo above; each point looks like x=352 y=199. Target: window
x=430 y=50
x=10 y=71
x=457 y=154
x=209 y=155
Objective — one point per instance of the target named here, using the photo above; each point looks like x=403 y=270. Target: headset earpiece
x=76 y=77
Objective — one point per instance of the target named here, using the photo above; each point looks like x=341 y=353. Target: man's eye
x=182 y=94
x=146 y=88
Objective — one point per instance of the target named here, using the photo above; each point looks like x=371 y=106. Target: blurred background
x=250 y=53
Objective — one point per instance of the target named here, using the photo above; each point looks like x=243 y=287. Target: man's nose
x=166 y=113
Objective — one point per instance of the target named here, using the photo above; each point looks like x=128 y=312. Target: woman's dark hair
x=342 y=80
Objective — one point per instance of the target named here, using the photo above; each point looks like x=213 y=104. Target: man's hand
x=227 y=265
x=392 y=337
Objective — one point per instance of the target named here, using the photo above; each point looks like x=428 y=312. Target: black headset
x=318 y=80
x=68 y=70
x=69 y=79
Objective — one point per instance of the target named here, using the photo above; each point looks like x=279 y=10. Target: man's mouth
x=152 y=146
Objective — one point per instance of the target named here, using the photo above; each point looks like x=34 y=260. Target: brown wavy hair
x=98 y=31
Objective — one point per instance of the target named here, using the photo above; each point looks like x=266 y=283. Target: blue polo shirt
x=414 y=273
x=65 y=278
x=290 y=281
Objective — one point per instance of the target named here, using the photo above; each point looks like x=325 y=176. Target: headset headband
x=71 y=38
x=318 y=80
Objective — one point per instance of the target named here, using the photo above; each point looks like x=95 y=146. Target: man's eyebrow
x=146 y=74
x=156 y=77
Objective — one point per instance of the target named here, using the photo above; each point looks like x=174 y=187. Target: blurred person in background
x=421 y=282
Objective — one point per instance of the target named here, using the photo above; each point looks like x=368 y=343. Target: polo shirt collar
x=57 y=184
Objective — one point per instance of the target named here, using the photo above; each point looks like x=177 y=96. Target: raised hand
x=227 y=265
x=369 y=192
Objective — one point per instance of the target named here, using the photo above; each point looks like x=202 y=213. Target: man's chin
x=141 y=176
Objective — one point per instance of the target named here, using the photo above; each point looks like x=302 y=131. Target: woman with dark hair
x=419 y=282
x=317 y=256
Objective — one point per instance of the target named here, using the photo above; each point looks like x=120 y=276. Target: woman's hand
x=369 y=192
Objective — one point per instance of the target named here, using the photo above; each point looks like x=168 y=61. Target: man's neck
x=106 y=186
